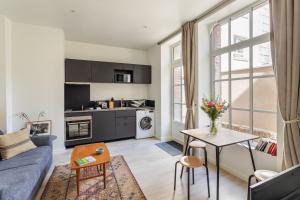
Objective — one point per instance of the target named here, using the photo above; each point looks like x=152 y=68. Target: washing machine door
x=146 y=123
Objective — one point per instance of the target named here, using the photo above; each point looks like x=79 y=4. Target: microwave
x=123 y=78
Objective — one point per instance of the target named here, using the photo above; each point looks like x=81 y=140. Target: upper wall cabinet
x=77 y=71
x=142 y=74
x=102 y=72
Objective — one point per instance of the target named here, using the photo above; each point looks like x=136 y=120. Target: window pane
x=183 y=113
x=177 y=112
x=221 y=90
x=240 y=121
x=265 y=124
x=262 y=60
x=220 y=35
x=183 y=94
x=240 y=63
x=177 y=52
x=261 y=20
x=221 y=66
x=240 y=93
x=240 y=29
x=177 y=76
x=264 y=94
x=177 y=94
x=224 y=120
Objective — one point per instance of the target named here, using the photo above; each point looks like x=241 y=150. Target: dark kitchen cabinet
x=104 y=126
x=103 y=72
x=142 y=74
x=125 y=127
x=77 y=71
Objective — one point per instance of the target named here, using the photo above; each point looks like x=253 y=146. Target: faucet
x=122 y=102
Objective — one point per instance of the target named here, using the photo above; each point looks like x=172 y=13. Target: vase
x=213 y=129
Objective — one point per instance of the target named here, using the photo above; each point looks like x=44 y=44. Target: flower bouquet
x=214 y=108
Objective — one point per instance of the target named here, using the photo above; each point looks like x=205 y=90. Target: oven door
x=76 y=130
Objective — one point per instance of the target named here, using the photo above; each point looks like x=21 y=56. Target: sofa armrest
x=42 y=140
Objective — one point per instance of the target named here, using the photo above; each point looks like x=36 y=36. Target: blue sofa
x=22 y=175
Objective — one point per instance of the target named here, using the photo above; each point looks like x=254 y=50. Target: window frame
x=174 y=64
x=249 y=43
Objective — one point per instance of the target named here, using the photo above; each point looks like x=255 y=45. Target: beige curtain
x=189 y=62
x=285 y=42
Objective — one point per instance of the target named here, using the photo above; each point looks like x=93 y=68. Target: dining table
x=224 y=137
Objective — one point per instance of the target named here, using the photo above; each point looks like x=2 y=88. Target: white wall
x=38 y=75
x=5 y=75
x=100 y=91
x=104 y=91
x=154 y=56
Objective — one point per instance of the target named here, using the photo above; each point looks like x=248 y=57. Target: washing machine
x=144 y=124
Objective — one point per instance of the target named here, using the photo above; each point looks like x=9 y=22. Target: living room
x=141 y=88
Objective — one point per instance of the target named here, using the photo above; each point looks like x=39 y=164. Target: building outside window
x=243 y=73
x=178 y=92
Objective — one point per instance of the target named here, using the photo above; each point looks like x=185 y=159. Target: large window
x=179 y=107
x=242 y=71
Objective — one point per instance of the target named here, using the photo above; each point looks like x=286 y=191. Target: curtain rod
x=207 y=13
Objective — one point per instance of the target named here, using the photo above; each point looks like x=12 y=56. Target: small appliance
x=123 y=77
x=144 y=124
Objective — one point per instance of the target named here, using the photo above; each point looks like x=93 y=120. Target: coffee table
x=82 y=171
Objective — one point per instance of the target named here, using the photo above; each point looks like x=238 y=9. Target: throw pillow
x=1 y=132
x=15 y=143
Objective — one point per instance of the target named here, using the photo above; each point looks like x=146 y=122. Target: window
x=243 y=73
x=179 y=107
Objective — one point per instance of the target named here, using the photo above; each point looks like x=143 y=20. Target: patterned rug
x=120 y=184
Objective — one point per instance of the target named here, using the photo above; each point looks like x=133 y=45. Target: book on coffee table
x=85 y=160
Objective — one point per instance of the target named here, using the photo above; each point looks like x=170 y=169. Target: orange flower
x=219 y=107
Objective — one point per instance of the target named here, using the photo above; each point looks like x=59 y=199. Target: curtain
x=189 y=62
x=285 y=44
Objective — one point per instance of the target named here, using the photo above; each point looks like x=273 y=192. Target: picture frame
x=40 y=127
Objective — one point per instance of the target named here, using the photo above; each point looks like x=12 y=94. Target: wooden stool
x=260 y=175
x=196 y=144
x=190 y=162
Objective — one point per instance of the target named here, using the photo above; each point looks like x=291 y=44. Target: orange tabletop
x=82 y=151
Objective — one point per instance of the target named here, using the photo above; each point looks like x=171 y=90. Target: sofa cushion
x=15 y=143
x=19 y=183
x=40 y=155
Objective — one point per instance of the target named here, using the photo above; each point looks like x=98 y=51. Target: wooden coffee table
x=100 y=163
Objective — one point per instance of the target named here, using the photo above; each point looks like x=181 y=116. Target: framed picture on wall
x=40 y=127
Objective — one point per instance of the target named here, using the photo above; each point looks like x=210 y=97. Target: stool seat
x=191 y=161
x=197 y=144
x=264 y=174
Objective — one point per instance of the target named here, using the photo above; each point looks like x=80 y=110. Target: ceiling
x=137 y=24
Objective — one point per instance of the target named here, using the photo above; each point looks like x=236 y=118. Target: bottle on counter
x=111 y=103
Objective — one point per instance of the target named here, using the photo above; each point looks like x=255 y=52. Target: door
x=125 y=127
x=104 y=126
x=102 y=72
x=77 y=71
x=178 y=94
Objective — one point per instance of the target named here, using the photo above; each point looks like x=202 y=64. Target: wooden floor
x=154 y=171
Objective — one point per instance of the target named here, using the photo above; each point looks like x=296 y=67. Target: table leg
x=104 y=175
x=218 y=169
x=77 y=180
x=251 y=155
x=185 y=153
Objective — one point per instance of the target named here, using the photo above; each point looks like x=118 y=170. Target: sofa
x=22 y=175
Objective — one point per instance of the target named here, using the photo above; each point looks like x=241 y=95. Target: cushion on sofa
x=40 y=155
x=15 y=143
x=19 y=182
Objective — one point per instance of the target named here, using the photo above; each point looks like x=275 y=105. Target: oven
x=78 y=128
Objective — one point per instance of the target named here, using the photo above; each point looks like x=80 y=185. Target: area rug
x=120 y=184
x=172 y=148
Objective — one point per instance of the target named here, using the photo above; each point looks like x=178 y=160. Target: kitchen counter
x=113 y=109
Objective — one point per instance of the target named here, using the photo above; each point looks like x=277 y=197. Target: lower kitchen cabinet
x=125 y=127
x=104 y=126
